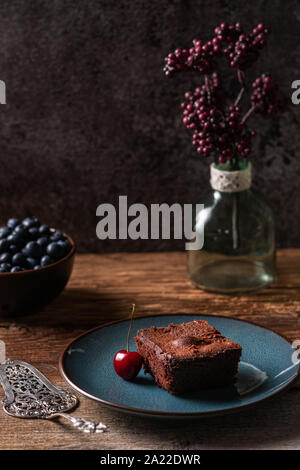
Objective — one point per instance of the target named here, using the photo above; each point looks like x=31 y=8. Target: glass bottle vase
x=238 y=254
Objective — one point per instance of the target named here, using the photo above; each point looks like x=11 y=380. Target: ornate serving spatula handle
x=82 y=424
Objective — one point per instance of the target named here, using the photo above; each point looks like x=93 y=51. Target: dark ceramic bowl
x=27 y=291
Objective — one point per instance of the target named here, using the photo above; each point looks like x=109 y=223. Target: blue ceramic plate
x=266 y=368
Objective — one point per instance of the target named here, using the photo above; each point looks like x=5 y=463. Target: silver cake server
x=29 y=394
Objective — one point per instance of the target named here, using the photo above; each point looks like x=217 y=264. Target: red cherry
x=127 y=364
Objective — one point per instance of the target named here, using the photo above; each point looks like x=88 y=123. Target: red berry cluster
x=199 y=57
x=241 y=50
x=219 y=129
x=215 y=129
x=229 y=41
x=266 y=97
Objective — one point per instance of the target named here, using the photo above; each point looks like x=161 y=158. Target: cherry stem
x=248 y=114
x=132 y=312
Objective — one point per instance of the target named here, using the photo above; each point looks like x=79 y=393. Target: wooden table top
x=102 y=288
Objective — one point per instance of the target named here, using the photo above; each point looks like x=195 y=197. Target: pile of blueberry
x=28 y=244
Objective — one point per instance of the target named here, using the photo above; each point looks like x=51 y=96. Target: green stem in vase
x=235 y=166
x=235 y=230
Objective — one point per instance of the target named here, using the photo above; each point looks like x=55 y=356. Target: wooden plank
x=102 y=288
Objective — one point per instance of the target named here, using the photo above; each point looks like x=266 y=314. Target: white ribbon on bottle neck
x=230 y=181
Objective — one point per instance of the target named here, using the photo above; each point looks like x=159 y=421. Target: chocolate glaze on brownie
x=188 y=357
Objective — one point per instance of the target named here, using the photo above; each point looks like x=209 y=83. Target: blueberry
x=56 y=236
x=13 y=248
x=43 y=242
x=32 y=249
x=15 y=269
x=12 y=223
x=20 y=229
x=46 y=260
x=6 y=266
x=4 y=245
x=4 y=232
x=31 y=222
x=33 y=233
x=65 y=244
x=55 y=250
x=37 y=266
x=44 y=230
x=17 y=238
x=68 y=244
x=2 y=270
x=31 y=262
x=5 y=258
x=19 y=259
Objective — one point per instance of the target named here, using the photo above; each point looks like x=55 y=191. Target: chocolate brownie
x=188 y=357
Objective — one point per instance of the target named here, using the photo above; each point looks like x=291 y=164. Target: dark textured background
x=90 y=116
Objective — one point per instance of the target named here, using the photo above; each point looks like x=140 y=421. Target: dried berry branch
x=241 y=79
x=218 y=128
